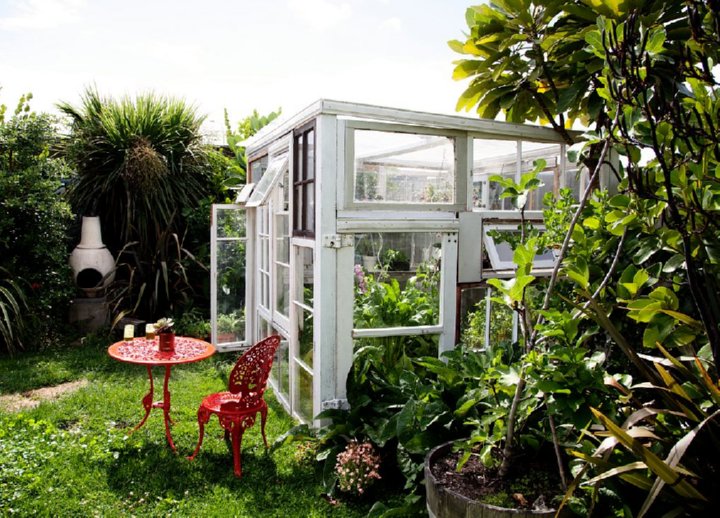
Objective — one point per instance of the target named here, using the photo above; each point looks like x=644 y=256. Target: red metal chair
x=238 y=407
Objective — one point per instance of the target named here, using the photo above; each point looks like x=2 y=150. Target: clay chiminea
x=91 y=261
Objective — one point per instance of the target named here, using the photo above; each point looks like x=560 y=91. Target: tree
x=647 y=86
x=35 y=279
x=641 y=74
x=246 y=128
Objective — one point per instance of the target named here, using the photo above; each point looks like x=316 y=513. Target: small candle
x=129 y=332
x=150 y=331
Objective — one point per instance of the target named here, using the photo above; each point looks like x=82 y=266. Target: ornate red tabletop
x=145 y=352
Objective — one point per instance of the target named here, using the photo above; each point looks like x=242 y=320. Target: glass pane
x=264 y=256
x=475 y=318
x=310 y=155
x=303 y=403
x=393 y=347
x=285 y=187
x=397 y=279
x=299 y=170
x=500 y=242
x=282 y=238
x=264 y=329
x=305 y=338
x=403 y=168
x=297 y=208
x=230 y=295
x=305 y=272
x=270 y=178
x=281 y=370
x=492 y=157
x=309 y=207
x=532 y=152
x=258 y=168
x=282 y=287
x=230 y=275
x=230 y=223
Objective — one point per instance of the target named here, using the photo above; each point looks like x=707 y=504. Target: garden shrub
x=34 y=221
x=141 y=163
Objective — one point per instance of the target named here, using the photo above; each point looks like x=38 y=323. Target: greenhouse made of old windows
x=362 y=224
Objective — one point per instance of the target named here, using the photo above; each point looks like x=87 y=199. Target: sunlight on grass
x=73 y=456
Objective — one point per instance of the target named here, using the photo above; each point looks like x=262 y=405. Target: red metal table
x=141 y=351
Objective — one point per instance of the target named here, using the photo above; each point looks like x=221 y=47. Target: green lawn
x=73 y=456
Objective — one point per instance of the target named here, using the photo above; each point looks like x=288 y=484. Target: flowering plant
x=164 y=325
x=357 y=467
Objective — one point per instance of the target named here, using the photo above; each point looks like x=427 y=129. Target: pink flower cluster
x=357 y=467
x=360 y=278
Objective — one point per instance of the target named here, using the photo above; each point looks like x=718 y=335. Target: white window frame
x=269 y=180
x=446 y=312
x=460 y=164
x=491 y=248
x=244 y=195
x=214 y=239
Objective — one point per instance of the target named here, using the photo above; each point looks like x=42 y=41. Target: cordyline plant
x=642 y=74
x=141 y=165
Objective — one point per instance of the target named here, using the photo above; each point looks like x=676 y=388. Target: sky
x=238 y=55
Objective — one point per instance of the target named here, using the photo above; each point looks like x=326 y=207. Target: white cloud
x=321 y=14
x=393 y=24
x=42 y=14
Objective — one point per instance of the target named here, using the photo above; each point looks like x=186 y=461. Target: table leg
x=147 y=401
x=166 y=408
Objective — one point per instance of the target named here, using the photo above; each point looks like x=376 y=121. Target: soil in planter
x=532 y=485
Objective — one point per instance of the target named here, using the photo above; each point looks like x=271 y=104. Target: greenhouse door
x=228 y=244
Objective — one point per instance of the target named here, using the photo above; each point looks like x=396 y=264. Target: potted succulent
x=165 y=334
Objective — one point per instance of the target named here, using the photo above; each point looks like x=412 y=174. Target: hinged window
x=271 y=177
x=500 y=242
x=304 y=181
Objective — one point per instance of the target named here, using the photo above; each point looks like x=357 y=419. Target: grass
x=74 y=456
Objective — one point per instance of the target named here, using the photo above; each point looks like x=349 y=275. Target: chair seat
x=229 y=403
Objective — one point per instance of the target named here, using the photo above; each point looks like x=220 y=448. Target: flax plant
x=140 y=163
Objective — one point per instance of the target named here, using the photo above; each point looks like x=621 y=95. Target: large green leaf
x=659 y=467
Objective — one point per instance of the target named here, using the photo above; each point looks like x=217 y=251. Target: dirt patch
x=32 y=398
x=533 y=488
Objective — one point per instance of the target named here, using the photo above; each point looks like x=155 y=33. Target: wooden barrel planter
x=445 y=503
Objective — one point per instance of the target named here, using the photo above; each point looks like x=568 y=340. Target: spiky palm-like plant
x=140 y=162
x=12 y=306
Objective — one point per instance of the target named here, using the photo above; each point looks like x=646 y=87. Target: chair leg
x=237 y=433
x=263 y=419
x=203 y=417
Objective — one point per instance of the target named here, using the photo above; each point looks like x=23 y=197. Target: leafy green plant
x=683 y=429
x=380 y=301
x=12 y=306
x=246 y=128
x=640 y=268
x=34 y=222
x=192 y=322
x=501 y=326
x=395 y=260
x=233 y=323
x=403 y=405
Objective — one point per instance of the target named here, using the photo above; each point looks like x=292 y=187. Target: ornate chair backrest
x=250 y=374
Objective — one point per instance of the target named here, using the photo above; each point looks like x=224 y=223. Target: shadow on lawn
x=154 y=470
